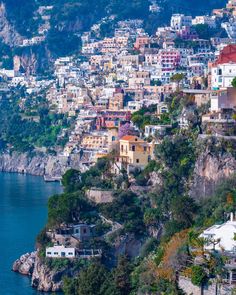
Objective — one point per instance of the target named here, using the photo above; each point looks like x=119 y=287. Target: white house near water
x=60 y=252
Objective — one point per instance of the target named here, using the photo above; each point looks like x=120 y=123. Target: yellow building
x=94 y=141
x=135 y=152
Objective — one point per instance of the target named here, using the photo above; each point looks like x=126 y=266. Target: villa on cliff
x=222 y=238
x=60 y=251
x=69 y=239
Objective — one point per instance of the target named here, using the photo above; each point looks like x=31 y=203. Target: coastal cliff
x=42 y=277
x=39 y=164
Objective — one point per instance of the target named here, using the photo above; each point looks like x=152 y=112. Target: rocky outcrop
x=211 y=168
x=39 y=164
x=127 y=245
x=33 y=59
x=43 y=278
x=7 y=32
x=25 y=264
x=35 y=165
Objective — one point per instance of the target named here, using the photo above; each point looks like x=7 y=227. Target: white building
x=152 y=130
x=178 y=21
x=204 y=20
x=222 y=75
x=134 y=106
x=60 y=252
x=221 y=237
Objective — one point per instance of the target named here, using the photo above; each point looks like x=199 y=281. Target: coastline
x=50 y=167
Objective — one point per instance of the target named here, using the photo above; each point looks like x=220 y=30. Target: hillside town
x=117 y=81
x=117 y=76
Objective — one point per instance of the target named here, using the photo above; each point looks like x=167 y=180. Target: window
x=122 y=148
x=55 y=253
x=70 y=253
x=137 y=160
x=84 y=230
x=145 y=149
x=49 y=253
x=133 y=148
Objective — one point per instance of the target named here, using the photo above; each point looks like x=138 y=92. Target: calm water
x=23 y=212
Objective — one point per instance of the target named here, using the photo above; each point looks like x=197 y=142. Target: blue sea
x=23 y=213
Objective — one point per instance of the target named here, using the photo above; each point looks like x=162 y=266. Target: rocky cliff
x=25 y=264
x=42 y=277
x=33 y=59
x=7 y=31
x=214 y=163
x=36 y=165
x=39 y=164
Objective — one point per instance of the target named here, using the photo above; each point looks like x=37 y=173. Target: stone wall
x=100 y=196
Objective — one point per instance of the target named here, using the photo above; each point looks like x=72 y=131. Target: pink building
x=111 y=119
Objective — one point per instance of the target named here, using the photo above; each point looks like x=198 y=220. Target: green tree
x=178 y=77
x=199 y=276
x=234 y=82
x=91 y=280
x=71 y=180
x=122 y=274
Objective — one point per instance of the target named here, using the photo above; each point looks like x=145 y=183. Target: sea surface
x=23 y=213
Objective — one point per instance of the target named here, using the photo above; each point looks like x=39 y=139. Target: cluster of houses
x=117 y=76
x=122 y=74
x=68 y=239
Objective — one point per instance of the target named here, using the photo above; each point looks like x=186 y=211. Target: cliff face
x=25 y=264
x=39 y=165
x=33 y=59
x=214 y=164
x=36 y=165
x=209 y=171
x=7 y=32
x=43 y=278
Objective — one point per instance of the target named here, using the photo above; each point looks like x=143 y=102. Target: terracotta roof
x=227 y=55
x=130 y=138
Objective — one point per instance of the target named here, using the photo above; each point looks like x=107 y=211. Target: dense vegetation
x=29 y=125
